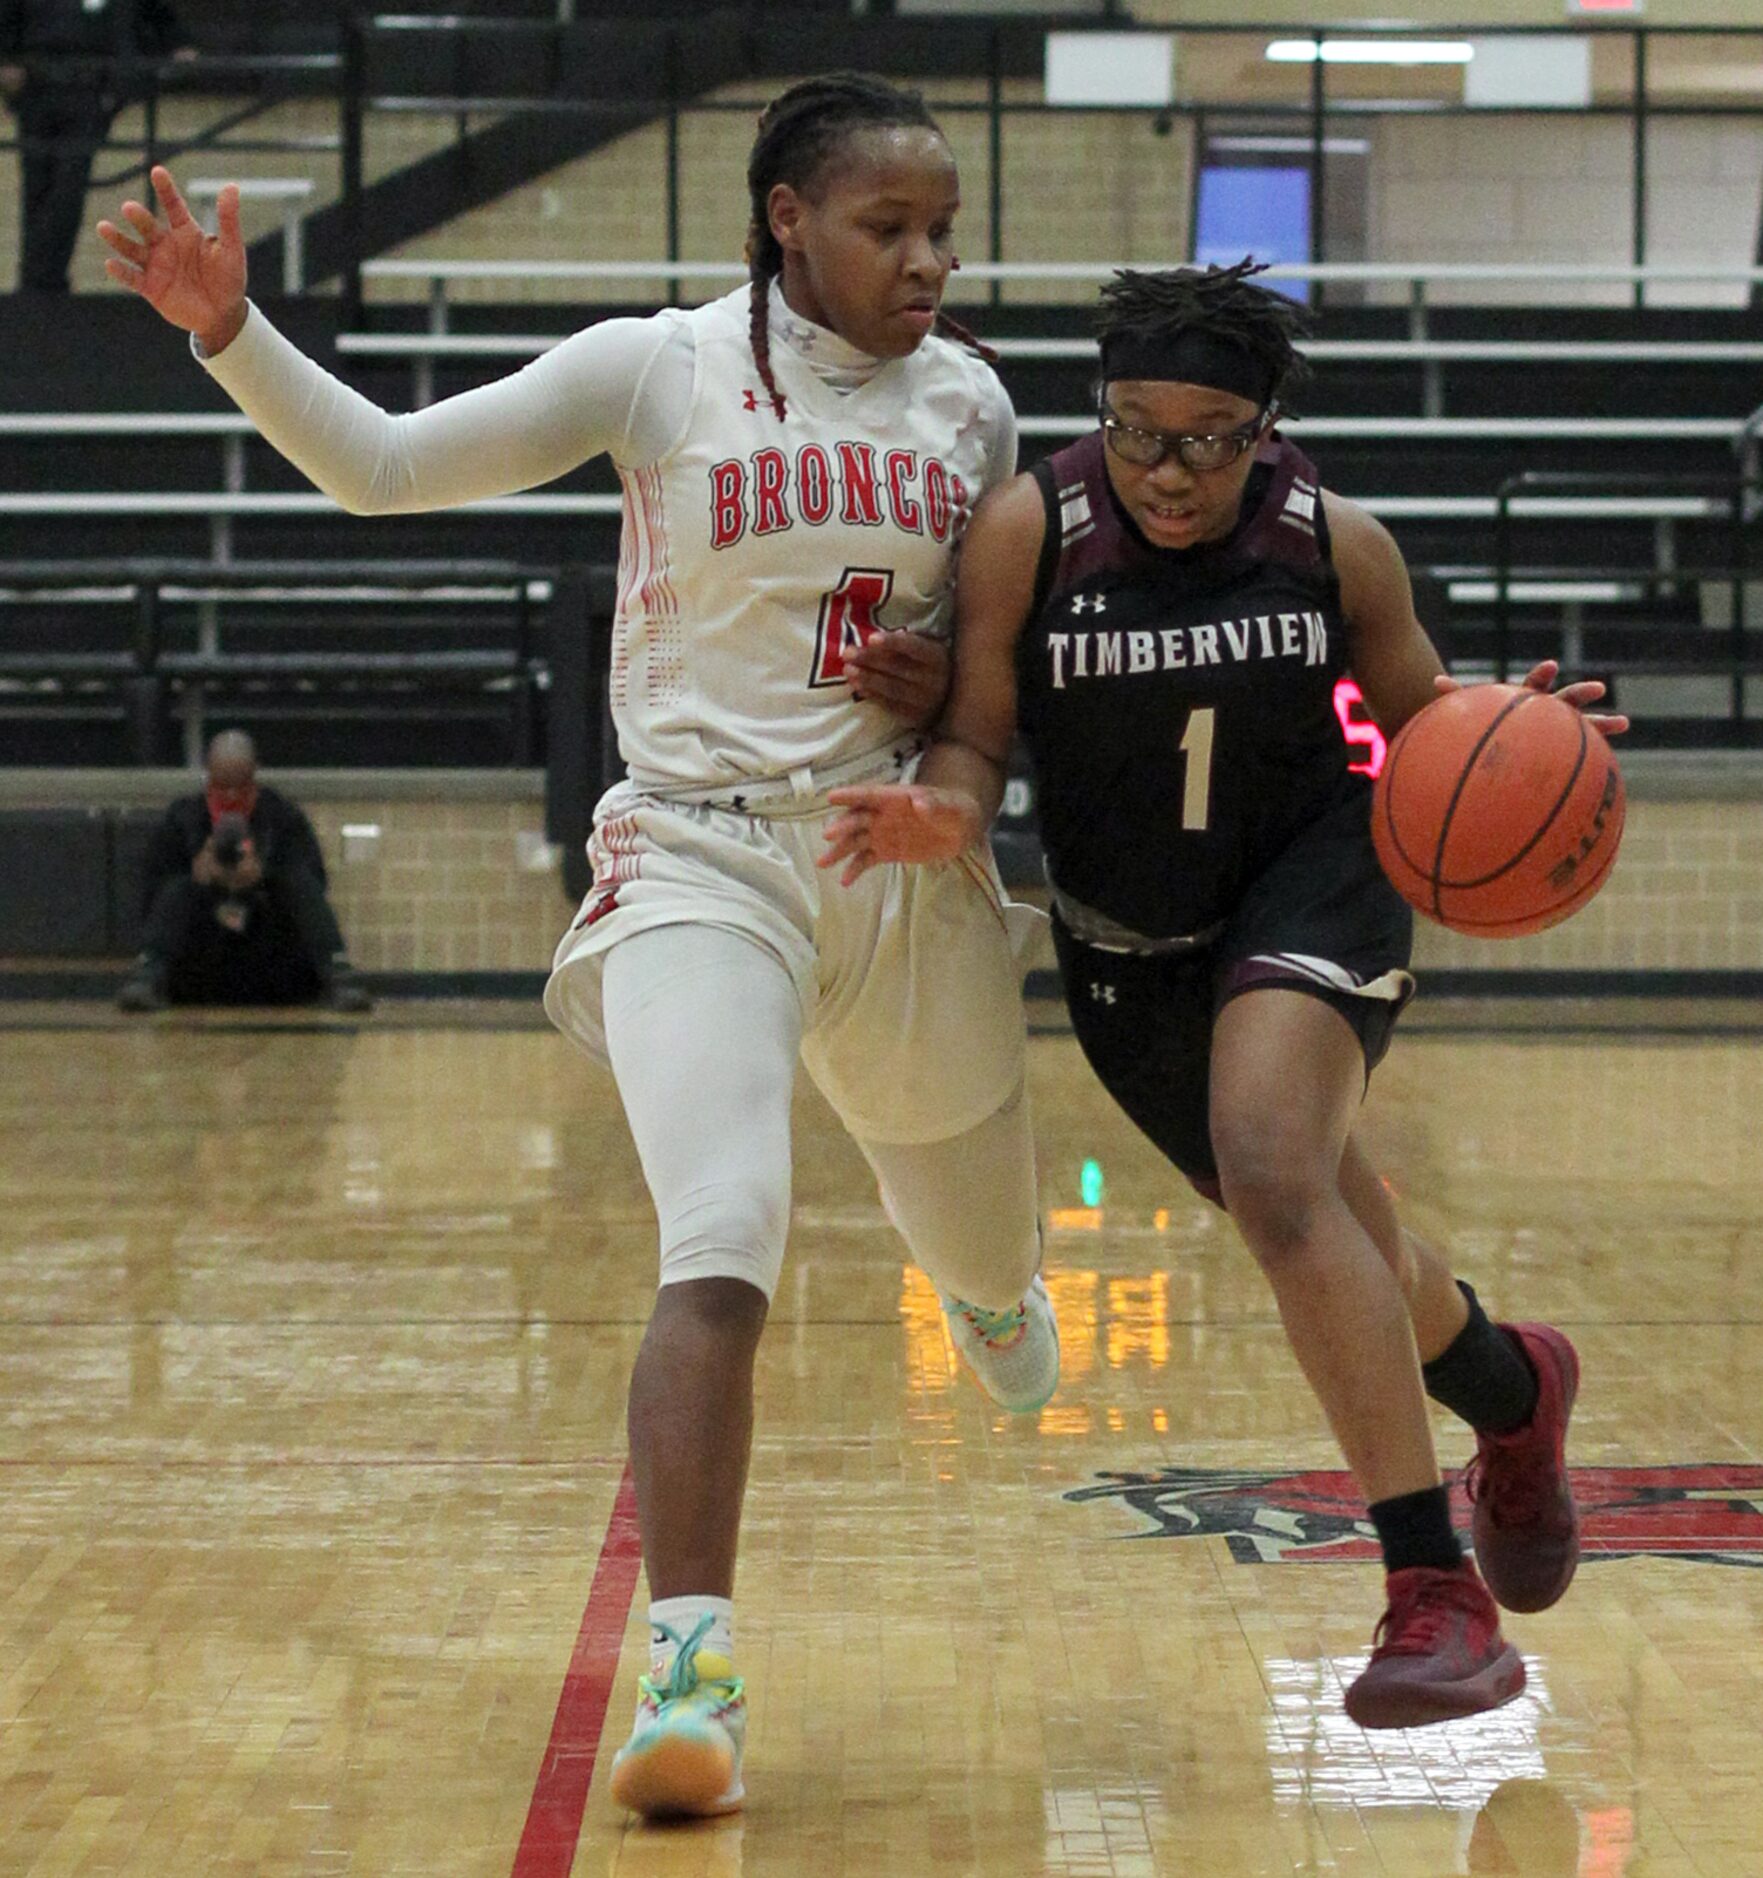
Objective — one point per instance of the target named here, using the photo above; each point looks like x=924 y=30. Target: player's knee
x=722 y=1311
x=1276 y=1214
x=1271 y=1190
x=728 y=1229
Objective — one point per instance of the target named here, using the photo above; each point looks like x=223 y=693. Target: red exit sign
x=1579 y=7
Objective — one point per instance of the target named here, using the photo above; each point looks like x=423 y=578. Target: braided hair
x=1216 y=300
x=799 y=132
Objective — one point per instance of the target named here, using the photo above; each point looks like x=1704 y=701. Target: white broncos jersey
x=757 y=553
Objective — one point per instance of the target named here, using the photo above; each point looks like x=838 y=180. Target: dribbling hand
x=897 y=822
x=1542 y=678
x=194 y=280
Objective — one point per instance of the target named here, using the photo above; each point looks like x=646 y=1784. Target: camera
x=231 y=832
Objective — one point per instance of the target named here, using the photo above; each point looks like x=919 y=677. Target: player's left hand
x=898 y=822
x=1542 y=678
x=906 y=673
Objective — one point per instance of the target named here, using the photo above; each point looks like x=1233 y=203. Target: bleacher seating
x=1617 y=579
x=440 y=662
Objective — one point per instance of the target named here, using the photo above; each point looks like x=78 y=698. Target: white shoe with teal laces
x=1014 y=1353
x=684 y=1756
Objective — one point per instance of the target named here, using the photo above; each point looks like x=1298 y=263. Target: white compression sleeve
x=702 y=1030
x=622 y=386
x=967 y=1207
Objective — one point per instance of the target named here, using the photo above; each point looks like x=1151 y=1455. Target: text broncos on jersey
x=1102 y=654
x=774 y=489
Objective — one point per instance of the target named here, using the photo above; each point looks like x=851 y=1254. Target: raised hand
x=1542 y=678
x=898 y=822
x=194 y=280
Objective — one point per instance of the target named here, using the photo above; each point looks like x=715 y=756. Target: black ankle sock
x=1483 y=1376
x=1415 y=1529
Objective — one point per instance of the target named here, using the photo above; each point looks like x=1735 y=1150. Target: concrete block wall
x=1533 y=190
x=1087 y=187
x=1488 y=13
x=444 y=889
x=1686 y=895
x=1704 y=184
x=445 y=894
x=446 y=886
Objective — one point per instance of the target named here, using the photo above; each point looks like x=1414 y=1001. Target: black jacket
x=280 y=832
x=116 y=29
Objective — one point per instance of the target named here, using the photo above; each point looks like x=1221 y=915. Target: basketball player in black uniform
x=1163 y=610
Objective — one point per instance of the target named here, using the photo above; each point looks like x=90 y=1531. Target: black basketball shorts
x=1322 y=919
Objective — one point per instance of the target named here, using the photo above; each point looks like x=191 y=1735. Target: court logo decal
x=1713 y=1514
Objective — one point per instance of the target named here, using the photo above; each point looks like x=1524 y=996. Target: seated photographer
x=235 y=901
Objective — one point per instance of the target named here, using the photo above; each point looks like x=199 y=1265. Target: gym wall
x=1090 y=186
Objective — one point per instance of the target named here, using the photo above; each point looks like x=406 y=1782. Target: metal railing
x=1308 y=118
x=1415 y=275
x=145 y=670
x=1708 y=498
x=274 y=79
x=1749 y=449
x=231 y=502
x=440 y=342
x=1650 y=621
x=180 y=504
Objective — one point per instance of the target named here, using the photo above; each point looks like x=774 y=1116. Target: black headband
x=1190 y=357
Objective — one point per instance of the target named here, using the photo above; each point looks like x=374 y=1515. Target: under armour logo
x=749 y=401
x=1101 y=994
x=1096 y=602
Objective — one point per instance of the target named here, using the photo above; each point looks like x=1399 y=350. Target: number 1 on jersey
x=1196 y=788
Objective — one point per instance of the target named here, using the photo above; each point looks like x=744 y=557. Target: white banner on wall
x=1518 y=69
x=1111 y=68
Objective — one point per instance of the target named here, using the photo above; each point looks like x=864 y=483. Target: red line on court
x=560 y=1795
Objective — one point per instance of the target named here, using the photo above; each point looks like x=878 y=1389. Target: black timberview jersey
x=1178 y=704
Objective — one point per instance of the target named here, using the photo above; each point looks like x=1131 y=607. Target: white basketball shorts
x=912 y=1014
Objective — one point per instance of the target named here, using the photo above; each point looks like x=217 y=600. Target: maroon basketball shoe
x=1526 y=1527
x=1438 y=1653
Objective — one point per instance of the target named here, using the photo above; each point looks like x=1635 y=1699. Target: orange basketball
x=1499 y=811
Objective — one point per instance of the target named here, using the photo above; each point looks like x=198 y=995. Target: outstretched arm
x=961 y=782
x=1396 y=664
x=593 y=393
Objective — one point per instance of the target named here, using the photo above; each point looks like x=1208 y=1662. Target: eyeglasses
x=1203 y=450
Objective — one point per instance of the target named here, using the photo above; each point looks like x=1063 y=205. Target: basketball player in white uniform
x=798 y=462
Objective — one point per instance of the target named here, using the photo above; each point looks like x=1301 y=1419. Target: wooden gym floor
x=317 y=1553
